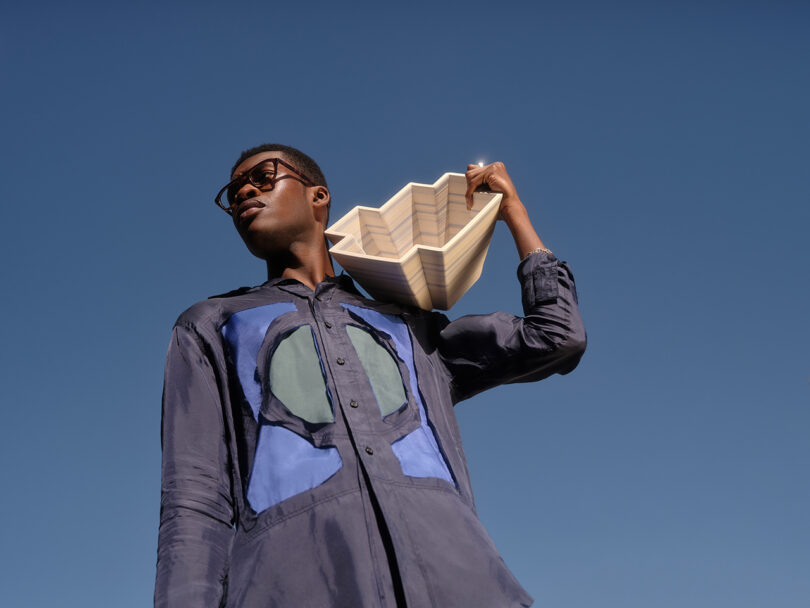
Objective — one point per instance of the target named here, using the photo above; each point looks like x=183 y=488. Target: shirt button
x=353 y=403
x=328 y=324
x=341 y=360
x=369 y=451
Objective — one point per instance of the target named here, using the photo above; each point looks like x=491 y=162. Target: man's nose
x=247 y=191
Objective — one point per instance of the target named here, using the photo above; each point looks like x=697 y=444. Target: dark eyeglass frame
x=248 y=177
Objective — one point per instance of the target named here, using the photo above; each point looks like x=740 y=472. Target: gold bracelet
x=538 y=250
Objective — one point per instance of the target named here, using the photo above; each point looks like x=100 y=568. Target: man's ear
x=320 y=202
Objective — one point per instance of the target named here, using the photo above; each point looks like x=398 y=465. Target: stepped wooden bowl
x=422 y=247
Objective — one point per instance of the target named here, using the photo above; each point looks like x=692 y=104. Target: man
x=311 y=455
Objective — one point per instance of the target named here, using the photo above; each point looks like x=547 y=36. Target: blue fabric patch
x=286 y=464
x=245 y=332
x=418 y=452
x=419 y=455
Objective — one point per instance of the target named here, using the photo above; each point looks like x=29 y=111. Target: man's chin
x=259 y=242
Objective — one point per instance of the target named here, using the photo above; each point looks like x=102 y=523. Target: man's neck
x=310 y=268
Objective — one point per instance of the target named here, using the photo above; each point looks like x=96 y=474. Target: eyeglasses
x=263 y=175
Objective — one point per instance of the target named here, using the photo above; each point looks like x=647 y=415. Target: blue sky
x=662 y=150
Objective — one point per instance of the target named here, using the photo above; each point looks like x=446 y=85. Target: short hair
x=303 y=162
x=297 y=159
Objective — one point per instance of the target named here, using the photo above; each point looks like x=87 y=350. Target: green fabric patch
x=381 y=369
x=296 y=377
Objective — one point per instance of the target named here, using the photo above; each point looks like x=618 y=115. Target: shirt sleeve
x=196 y=508
x=482 y=351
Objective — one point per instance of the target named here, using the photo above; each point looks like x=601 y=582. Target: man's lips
x=248 y=209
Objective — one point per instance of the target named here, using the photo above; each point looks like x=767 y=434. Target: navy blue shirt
x=311 y=455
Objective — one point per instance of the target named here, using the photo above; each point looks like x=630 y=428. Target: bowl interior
x=417 y=215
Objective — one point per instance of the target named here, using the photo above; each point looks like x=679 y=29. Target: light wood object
x=422 y=247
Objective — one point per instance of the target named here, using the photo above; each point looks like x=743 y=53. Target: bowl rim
x=343 y=236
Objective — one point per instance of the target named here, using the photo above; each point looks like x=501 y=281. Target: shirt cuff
x=538 y=279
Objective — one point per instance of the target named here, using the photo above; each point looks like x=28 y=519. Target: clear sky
x=663 y=150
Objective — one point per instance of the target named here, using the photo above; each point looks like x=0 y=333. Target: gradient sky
x=662 y=150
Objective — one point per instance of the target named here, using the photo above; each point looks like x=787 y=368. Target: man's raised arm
x=481 y=351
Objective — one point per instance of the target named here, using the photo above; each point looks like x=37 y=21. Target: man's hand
x=495 y=177
x=511 y=211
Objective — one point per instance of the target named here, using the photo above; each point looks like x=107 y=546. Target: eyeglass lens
x=262 y=176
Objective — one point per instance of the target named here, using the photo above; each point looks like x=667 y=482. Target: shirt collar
x=323 y=290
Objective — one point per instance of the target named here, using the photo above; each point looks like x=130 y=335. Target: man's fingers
x=475 y=177
x=492 y=174
x=469 y=194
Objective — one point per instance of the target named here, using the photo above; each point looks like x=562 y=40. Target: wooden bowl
x=422 y=247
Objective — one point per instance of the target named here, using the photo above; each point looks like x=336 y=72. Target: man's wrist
x=513 y=211
x=538 y=250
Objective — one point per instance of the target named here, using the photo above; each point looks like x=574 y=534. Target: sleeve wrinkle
x=482 y=351
x=197 y=506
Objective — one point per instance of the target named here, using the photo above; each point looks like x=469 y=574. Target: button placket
x=349 y=379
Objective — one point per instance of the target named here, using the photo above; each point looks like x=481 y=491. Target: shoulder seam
x=234 y=292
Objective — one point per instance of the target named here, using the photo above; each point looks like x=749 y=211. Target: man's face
x=269 y=222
